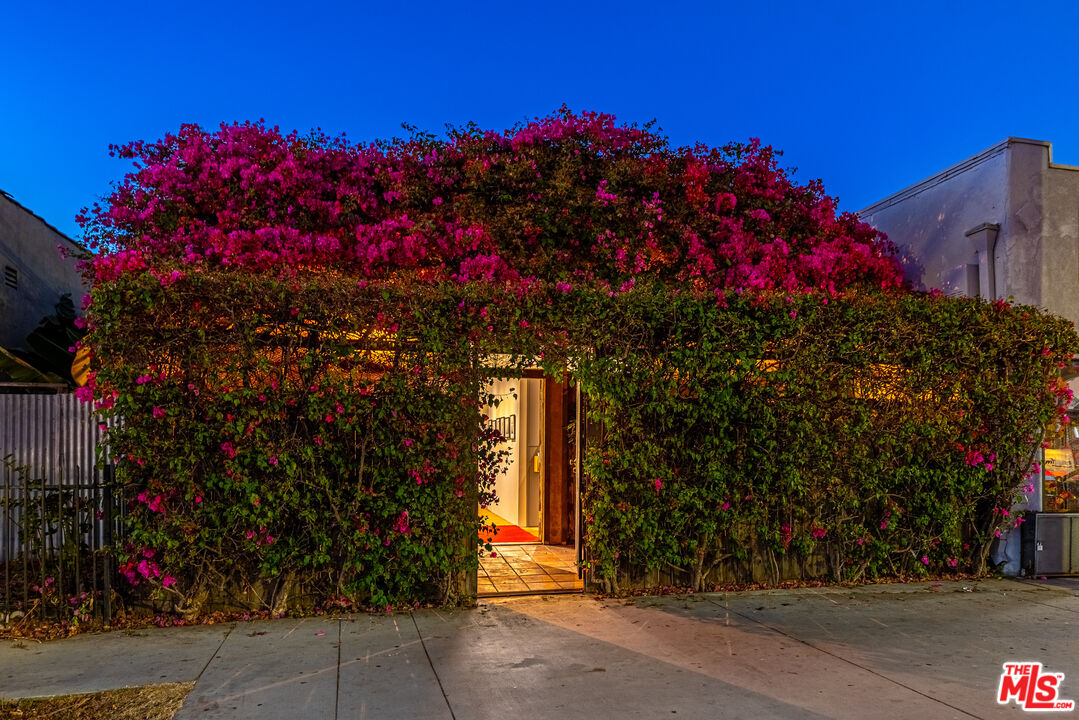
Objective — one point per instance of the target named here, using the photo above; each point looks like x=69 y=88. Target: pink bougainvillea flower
x=189 y=200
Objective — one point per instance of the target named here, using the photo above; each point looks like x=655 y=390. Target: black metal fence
x=58 y=513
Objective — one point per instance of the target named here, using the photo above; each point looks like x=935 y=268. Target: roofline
x=957 y=169
x=10 y=198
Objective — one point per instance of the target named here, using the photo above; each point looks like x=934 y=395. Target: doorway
x=535 y=548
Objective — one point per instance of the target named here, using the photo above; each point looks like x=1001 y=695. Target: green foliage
x=300 y=427
x=886 y=432
x=311 y=426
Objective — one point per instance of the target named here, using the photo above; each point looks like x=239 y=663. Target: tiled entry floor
x=528 y=568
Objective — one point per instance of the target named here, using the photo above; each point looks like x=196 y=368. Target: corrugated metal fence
x=57 y=511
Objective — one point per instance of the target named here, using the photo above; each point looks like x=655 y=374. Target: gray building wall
x=1001 y=224
x=1060 y=239
x=28 y=247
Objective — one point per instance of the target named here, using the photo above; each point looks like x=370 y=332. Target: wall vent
x=11 y=277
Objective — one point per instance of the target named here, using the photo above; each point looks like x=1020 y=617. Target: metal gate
x=57 y=512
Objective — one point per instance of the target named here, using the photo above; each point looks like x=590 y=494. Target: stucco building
x=34 y=273
x=1004 y=224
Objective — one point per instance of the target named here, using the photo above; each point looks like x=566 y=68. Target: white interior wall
x=508 y=482
x=530 y=433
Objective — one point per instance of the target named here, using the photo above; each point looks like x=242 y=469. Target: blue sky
x=868 y=96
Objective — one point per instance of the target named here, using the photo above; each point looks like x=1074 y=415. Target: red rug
x=508 y=534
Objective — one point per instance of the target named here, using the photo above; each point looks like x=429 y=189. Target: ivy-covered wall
x=293 y=436
x=886 y=435
x=309 y=435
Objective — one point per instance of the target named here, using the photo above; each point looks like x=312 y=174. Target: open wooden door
x=559 y=521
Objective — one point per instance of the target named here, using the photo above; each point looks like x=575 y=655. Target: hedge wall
x=311 y=433
x=889 y=434
x=287 y=435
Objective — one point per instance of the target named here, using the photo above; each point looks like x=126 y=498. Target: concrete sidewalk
x=930 y=650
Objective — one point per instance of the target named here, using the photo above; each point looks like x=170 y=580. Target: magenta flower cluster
x=581 y=199
x=141 y=566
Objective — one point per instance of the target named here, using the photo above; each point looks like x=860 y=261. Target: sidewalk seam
x=432 y=664
x=842 y=659
x=337 y=686
x=214 y=655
